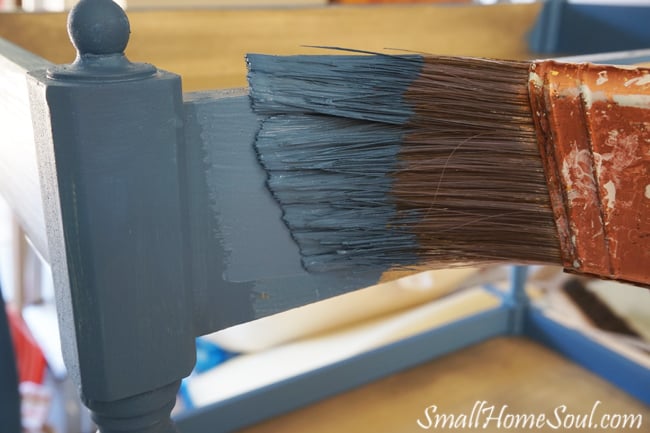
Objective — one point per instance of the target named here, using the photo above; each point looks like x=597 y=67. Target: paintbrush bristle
x=395 y=161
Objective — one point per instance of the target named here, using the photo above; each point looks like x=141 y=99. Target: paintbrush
x=402 y=160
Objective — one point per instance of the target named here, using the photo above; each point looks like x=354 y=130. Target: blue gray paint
x=330 y=146
x=367 y=88
x=108 y=135
x=335 y=189
x=242 y=254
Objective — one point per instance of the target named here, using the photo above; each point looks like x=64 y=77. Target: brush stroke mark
x=383 y=160
x=335 y=189
x=330 y=146
x=339 y=86
x=242 y=254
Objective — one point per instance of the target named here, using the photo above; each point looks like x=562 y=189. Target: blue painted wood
x=242 y=255
x=216 y=302
x=564 y=27
x=108 y=137
x=629 y=376
x=110 y=178
x=307 y=388
x=517 y=299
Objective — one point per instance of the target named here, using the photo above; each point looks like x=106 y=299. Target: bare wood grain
x=207 y=47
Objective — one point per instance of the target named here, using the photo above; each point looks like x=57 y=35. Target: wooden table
x=527 y=377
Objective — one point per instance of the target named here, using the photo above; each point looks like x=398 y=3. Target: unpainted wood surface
x=207 y=47
x=521 y=374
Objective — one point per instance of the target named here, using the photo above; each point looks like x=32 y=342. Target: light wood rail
x=207 y=47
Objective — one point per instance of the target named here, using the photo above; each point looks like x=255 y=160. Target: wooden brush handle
x=593 y=124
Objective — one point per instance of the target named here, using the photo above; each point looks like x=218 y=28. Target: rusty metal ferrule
x=593 y=128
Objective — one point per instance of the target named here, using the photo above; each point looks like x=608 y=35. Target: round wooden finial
x=98 y=27
x=99 y=30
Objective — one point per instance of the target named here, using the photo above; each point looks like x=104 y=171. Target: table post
x=109 y=135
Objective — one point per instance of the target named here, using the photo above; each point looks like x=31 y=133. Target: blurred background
x=61 y=5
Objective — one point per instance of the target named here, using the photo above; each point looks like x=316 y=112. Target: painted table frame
x=110 y=170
